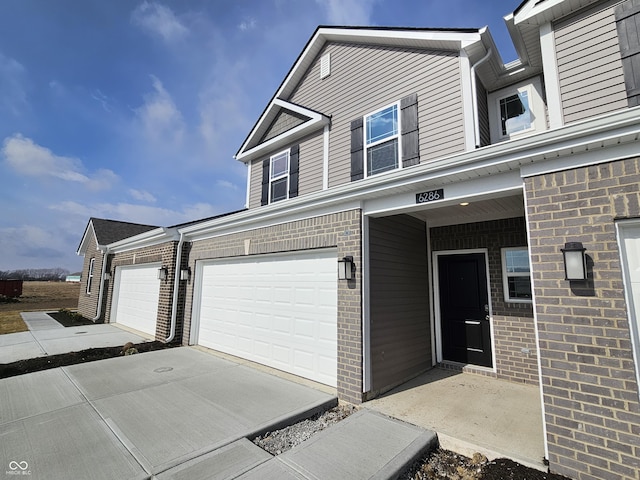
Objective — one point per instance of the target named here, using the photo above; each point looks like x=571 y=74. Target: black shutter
x=264 y=200
x=357 y=151
x=294 y=169
x=409 y=134
x=627 y=18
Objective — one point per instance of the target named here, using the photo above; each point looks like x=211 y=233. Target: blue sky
x=133 y=110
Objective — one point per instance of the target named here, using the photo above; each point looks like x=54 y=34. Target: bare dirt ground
x=37 y=296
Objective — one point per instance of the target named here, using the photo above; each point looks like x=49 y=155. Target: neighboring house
x=455 y=184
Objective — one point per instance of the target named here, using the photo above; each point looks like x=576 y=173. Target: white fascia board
x=454 y=193
x=146 y=239
x=533 y=9
x=510 y=155
x=316 y=121
x=82 y=247
x=551 y=75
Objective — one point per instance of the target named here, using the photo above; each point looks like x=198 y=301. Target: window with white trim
x=382 y=140
x=516 y=275
x=515 y=113
x=90 y=274
x=279 y=177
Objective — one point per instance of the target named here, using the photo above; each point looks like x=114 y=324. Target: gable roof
x=109 y=231
x=453 y=39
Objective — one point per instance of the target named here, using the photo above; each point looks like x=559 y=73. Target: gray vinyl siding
x=366 y=78
x=311 y=164
x=399 y=307
x=311 y=161
x=483 y=113
x=589 y=65
x=284 y=122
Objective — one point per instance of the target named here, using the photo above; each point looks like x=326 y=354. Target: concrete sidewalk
x=182 y=413
x=48 y=337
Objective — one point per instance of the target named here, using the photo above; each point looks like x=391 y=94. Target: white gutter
x=105 y=257
x=474 y=97
x=176 y=288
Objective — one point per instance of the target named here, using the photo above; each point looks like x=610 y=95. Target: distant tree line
x=42 y=274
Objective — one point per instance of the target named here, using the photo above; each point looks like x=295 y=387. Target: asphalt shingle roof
x=109 y=231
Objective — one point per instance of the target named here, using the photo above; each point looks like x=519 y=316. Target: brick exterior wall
x=340 y=230
x=515 y=355
x=592 y=411
x=88 y=302
x=164 y=253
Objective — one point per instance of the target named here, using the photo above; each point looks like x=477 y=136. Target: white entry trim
x=633 y=310
x=436 y=302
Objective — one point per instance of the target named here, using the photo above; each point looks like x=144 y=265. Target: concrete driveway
x=143 y=415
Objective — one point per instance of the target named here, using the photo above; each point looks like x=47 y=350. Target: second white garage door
x=135 y=297
x=278 y=310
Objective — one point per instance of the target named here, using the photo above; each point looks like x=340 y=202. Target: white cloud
x=348 y=12
x=29 y=246
x=226 y=184
x=145 y=214
x=142 y=195
x=161 y=120
x=247 y=24
x=13 y=97
x=27 y=158
x=159 y=20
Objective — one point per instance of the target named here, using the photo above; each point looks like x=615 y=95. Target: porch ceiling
x=478 y=210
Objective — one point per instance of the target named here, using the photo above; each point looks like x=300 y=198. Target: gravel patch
x=280 y=441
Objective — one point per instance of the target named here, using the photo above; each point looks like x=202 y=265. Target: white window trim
x=397 y=136
x=280 y=177
x=90 y=275
x=537 y=107
x=506 y=275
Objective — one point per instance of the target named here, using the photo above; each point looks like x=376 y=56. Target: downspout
x=474 y=95
x=105 y=258
x=176 y=288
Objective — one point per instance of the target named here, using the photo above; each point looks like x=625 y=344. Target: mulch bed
x=65 y=359
x=68 y=318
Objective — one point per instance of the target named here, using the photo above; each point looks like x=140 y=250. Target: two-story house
x=412 y=201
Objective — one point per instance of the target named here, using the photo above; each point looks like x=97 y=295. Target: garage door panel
x=285 y=304
x=135 y=303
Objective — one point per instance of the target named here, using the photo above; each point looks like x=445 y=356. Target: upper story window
x=515 y=114
x=517 y=110
x=279 y=177
x=382 y=140
x=90 y=274
x=516 y=275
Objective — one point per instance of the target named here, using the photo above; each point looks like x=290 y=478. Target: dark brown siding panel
x=400 y=333
x=357 y=150
x=410 y=139
x=483 y=114
x=628 y=25
x=294 y=170
x=264 y=199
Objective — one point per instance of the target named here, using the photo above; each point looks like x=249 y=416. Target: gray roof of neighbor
x=109 y=231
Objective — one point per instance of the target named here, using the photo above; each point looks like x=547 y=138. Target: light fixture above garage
x=575 y=264
x=185 y=274
x=106 y=276
x=346 y=268
x=163 y=272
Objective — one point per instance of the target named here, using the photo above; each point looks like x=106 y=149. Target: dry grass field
x=37 y=296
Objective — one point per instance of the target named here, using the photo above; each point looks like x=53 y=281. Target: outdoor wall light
x=346 y=268
x=185 y=274
x=575 y=264
x=162 y=273
x=106 y=276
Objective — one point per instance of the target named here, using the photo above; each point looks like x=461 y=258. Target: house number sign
x=430 y=196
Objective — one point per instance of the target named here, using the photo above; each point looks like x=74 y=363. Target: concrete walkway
x=472 y=413
x=182 y=413
x=48 y=337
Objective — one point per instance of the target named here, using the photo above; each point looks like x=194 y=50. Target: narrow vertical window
x=515 y=114
x=279 y=177
x=516 y=274
x=90 y=274
x=382 y=134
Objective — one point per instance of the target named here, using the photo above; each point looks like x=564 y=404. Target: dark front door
x=464 y=309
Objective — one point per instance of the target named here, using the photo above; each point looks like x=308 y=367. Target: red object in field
x=11 y=288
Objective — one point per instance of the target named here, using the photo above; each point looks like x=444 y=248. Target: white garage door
x=135 y=297
x=278 y=310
